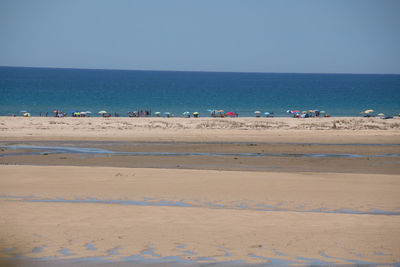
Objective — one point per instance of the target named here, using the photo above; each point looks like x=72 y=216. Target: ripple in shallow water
x=95 y=151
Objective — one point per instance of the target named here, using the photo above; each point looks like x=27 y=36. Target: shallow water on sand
x=166 y=203
x=96 y=151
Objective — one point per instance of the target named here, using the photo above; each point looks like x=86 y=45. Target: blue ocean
x=41 y=90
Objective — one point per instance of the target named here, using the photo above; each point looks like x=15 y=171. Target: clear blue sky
x=324 y=36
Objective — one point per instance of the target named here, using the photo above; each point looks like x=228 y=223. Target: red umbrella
x=230 y=113
x=296 y=111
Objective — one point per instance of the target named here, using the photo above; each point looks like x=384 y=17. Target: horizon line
x=202 y=71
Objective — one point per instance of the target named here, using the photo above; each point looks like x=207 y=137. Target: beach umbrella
x=221 y=111
x=211 y=110
x=27 y=114
x=230 y=113
x=267 y=113
x=369 y=111
x=381 y=114
x=304 y=112
x=289 y=111
x=312 y=111
x=257 y=112
x=195 y=113
x=83 y=112
x=157 y=112
x=102 y=112
x=167 y=113
x=323 y=111
x=186 y=113
x=296 y=111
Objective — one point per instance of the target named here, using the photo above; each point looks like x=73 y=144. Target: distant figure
x=40 y=114
x=47 y=114
x=116 y=114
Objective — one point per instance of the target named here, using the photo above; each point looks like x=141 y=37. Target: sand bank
x=336 y=130
x=198 y=215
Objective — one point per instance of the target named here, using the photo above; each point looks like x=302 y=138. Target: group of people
x=213 y=113
x=307 y=114
x=140 y=113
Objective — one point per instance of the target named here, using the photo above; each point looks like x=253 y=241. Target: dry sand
x=316 y=130
x=219 y=213
x=202 y=208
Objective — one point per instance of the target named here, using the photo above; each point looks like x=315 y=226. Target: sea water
x=41 y=90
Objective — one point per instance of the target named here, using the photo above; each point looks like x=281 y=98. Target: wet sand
x=281 y=205
x=247 y=156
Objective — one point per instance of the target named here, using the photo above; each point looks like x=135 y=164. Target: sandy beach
x=200 y=191
x=311 y=130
